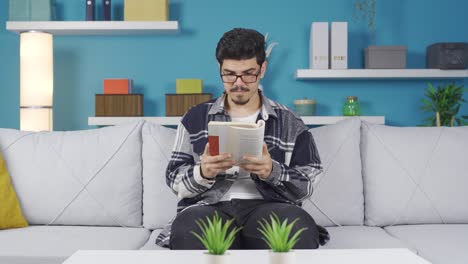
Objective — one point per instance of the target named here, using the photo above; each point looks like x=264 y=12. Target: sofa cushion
x=10 y=209
x=151 y=245
x=440 y=244
x=89 y=177
x=337 y=197
x=159 y=202
x=53 y=244
x=414 y=175
x=356 y=237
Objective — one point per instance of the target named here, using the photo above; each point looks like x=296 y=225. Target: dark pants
x=246 y=213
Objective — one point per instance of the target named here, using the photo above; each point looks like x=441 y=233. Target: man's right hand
x=212 y=165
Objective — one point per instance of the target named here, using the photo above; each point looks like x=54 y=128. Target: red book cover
x=214 y=145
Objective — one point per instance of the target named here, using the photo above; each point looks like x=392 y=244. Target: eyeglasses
x=246 y=78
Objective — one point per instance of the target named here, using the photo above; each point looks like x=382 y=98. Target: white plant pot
x=282 y=257
x=217 y=259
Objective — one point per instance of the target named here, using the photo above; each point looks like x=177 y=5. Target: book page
x=247 y=142
x=237 y=138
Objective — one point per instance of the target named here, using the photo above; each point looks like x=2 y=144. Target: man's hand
x=212 y=165
x=262 y=167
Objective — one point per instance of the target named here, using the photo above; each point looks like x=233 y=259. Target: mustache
x=239 y=88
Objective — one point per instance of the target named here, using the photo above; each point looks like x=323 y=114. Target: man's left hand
x=260 y=166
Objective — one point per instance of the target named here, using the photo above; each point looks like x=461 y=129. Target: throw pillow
x=10 y=210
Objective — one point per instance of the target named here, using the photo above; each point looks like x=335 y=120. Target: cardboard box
x=189 y=86
x=146 y=10
x=117 y=86
x=319 y=57
x=32 y=10
x=179 y=104
x=119 y=104
x=339 y=45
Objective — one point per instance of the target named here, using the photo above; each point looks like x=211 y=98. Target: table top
x=329 y=256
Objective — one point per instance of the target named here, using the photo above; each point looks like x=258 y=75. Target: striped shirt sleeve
x=294 y=181
x=183 y=171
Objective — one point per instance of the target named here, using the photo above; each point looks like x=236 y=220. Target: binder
x=339 y=45
x=106 y=4
x=90 y=6
x=318 y=53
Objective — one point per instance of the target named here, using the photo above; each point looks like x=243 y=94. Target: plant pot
x=216 y=259
x=283 y=257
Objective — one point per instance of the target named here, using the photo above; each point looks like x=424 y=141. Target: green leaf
x=215 y=237
x=277 y=233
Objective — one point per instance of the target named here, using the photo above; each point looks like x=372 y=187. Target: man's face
x=241 y=89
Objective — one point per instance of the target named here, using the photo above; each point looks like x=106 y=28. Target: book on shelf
x=107 y=9
x=90 y=7
x=237 y=138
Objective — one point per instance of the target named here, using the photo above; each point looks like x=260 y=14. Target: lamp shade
x=36 y=81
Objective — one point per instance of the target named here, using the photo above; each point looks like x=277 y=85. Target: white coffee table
x=328 y=256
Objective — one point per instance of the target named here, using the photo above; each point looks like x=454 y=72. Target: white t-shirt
x=243 y=187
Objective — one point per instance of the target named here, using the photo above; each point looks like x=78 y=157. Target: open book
x=237 y=138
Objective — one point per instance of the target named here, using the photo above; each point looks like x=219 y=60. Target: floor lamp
x=36 y=81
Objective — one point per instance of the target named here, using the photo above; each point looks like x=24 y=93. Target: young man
x=278 y=182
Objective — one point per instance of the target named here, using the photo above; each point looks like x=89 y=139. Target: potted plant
x=216 y=238
x=278 y=237
x=444 y=103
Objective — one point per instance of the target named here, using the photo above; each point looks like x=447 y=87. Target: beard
x=239 y=100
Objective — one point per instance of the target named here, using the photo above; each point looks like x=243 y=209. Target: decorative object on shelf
x=90 y=10
x=319 y=46
x=365 y=9
x=443 y=104
x=217 y=237
x=339 y=45
x=118 y=86
x=447 y=56
x=305 y=107
x=189 y=86
x=119 y=105
x=32 y=10
x=278 y=237
x=146 y=10
x=351 y=106
x=385 y=57
x=107 y=5
x=178 y=104
x=36 y=81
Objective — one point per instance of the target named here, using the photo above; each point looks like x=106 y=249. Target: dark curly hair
x=241 y=44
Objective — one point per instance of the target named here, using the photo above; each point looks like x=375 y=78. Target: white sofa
x=383 y=187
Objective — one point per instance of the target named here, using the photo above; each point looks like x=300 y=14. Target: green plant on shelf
x=444 y=104
x=277 y=234
x=215 y=236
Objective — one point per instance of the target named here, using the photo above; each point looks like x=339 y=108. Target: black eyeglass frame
x=241 y=76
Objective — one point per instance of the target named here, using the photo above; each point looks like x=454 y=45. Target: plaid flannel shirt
x=296 y=161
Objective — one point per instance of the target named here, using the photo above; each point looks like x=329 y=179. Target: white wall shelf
x=173 y=121
x=95 y=27
x=402 y=74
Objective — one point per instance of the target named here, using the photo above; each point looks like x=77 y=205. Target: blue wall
x=154 y=62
